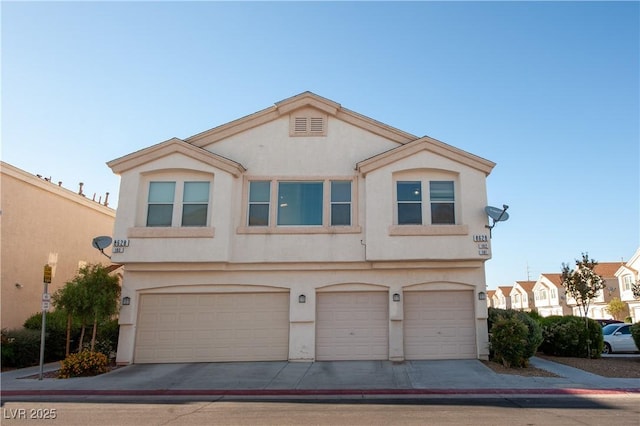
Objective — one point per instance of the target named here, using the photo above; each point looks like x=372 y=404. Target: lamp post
x=45 y=307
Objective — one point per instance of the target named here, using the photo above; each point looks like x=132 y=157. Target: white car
x=617 y=338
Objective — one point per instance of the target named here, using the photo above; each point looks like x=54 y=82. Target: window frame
x=426 y=211
x=178 y=203
x=274 y=228
x=627 y=281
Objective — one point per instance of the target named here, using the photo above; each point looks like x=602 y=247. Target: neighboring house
x=598 y=305
x=522 y=297
x=628 y=274
x=43 y=223
x=491 y=302
x=304 y=231
x=549 y=296
x=503 y=298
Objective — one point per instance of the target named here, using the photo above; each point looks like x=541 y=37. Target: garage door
x=352 y=326
x=439 y=325
x=212 y=327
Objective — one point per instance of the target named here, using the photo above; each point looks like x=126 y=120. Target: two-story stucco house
x=522 y=297
x=304 y=231
x=491 y=299
x=549 y=296
x=598 y=305
x=628 y=274
x=503 y=297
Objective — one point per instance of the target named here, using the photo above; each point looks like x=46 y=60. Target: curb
x=318 y=392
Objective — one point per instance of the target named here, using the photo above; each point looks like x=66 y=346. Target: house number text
x=119 y=246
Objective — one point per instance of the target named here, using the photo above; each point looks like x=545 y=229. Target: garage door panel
x=439 y=325
x=213 y=327
x=352 y=326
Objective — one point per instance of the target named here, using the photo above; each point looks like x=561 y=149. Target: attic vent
x=317 y=125
x=300 y=125
x=306 y=125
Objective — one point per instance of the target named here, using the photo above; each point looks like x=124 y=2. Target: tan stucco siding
x=43 y=223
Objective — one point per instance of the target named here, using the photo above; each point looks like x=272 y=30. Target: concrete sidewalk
x=455 y=377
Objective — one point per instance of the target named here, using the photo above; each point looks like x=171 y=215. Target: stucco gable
x=425 y=144
x=173 y=146
x=289 y=105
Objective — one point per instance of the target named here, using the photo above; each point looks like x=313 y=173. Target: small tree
x=617 y=308
x=583 y=285
x=91 y=296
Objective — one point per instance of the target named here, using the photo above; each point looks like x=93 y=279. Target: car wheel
x=606 y=349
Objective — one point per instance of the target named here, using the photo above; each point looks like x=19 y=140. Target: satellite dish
x=497 y=214
x=101 y=243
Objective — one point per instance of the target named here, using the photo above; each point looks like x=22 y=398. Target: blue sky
x=547 y=90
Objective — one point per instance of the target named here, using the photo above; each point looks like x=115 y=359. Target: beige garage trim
x=352 y=326
x=212 y=327
x=439 y=325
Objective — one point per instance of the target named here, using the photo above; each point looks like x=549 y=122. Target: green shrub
x=509 y=342
x=56 y=333
x=628 y=320
x=635 y=332
x=534 y=315
x=534 y=332
x=568 y=336
x=82 y=364
x=20 y=348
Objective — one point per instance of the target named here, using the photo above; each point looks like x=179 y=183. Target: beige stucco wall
x=42 y=223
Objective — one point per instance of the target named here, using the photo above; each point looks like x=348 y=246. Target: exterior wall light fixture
x=126 y=301
x=396 y=297
x=482 y=296
x=302 y=299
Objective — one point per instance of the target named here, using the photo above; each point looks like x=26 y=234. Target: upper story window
x=296 y=204
x=259 y=202
x=340 y=203
x=553 y=293
x=627 y=281
x=441 y=200
x=300 y=203
x=172 y=203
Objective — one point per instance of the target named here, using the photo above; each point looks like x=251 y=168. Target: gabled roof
x=555 y=279
x=505 y=290
x=302 y=100
x=425 y=144
x=173 y=146
x=523 y=286
x=607 y=269
x=526 y=285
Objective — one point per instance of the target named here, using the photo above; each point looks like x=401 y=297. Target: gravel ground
x=624 y=368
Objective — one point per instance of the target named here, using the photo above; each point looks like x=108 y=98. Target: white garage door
x=439 y=325
x=212 y=327
x=352 y=326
